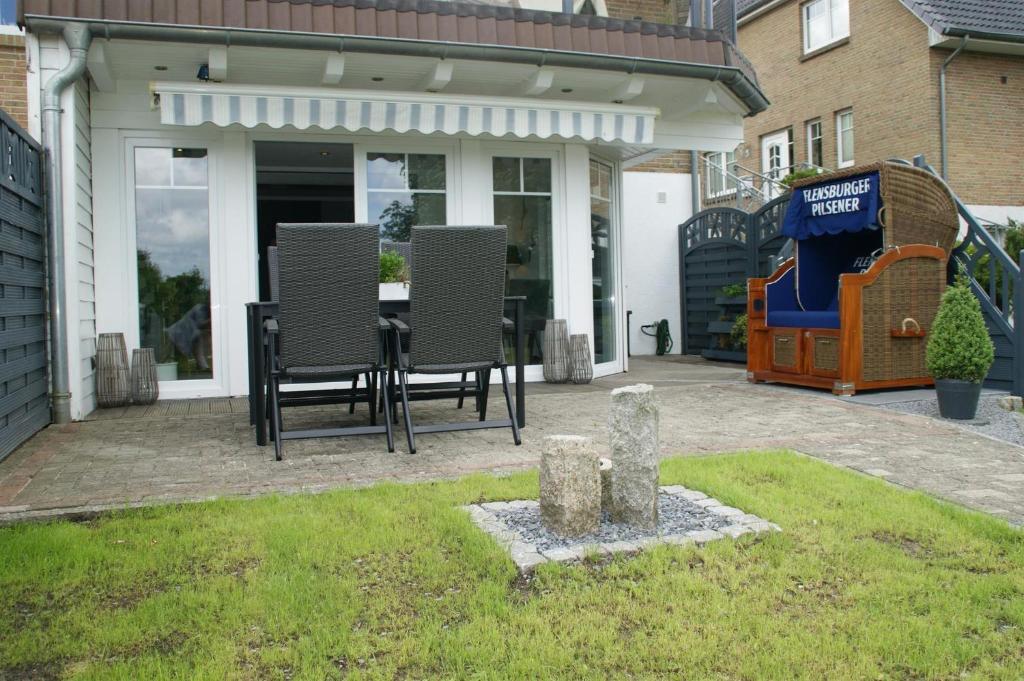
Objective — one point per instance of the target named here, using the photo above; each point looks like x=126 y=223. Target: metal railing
x=751 y=190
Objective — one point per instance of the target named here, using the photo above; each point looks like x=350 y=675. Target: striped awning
x=187 y=104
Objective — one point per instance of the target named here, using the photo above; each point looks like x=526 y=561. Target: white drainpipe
x=78 y=39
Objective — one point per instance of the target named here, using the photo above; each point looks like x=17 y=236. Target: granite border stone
x=527 y=556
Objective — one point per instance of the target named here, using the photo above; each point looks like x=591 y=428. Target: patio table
x=258 y=312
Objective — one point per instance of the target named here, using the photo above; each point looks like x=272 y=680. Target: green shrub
x=959 y=346
x=392 y=267
x=788 y=180
x=734 y=291
x=738 y=335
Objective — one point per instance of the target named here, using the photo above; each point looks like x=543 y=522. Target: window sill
x=848 y=164
x=825 y=48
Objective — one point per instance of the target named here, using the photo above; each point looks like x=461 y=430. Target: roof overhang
x=952 y=39
x=733 y=78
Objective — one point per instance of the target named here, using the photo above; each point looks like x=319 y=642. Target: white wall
x=997 y=214
x=650 y=251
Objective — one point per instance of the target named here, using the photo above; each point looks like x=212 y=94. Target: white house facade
x=185 y=139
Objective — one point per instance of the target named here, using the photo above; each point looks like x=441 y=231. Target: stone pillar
x=606 y=485
x=570 y=485
x=633 y=425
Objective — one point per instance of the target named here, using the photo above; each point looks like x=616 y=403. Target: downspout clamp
x=78 y=39
x=942 y=105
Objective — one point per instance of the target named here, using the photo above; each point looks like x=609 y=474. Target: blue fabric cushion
x=803 y=320
x=781 y=295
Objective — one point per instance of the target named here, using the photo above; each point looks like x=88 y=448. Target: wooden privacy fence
x=24 y=379
x=719 y=247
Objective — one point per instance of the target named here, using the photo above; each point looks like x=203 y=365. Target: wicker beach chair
x=852 y=310
x=456 y=303
x=328 y=328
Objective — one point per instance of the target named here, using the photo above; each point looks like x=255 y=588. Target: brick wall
x=985 y=127
x=885 y=76
x=13 y=89
x=665 y=12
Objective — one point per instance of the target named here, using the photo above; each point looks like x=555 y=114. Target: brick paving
x=177 y=451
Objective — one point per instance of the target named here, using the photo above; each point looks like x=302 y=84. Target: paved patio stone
x=149 y=456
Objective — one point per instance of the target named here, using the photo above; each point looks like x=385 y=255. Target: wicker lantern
x=145 y=386
x=556 y=351
x=112 y=388
x=582 y=370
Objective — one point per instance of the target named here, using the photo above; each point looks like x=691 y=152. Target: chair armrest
x=507 y=325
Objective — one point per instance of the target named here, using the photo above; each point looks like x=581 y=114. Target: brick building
x=855 y=81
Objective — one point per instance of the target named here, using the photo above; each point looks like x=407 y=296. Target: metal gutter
x=742 y=86
x=943 y=142
x=78 y=39
x=983 y=35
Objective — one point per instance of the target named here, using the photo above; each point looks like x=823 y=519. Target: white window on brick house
x=844 y=138
x=720 y=174
x=825 y=22
x=814 y=155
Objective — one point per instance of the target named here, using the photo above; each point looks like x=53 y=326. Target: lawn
x=865 y=582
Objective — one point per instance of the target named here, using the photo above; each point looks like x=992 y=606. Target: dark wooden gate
x=719 y=247
x=24 y=382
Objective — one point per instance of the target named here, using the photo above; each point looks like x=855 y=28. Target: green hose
x=662 y=337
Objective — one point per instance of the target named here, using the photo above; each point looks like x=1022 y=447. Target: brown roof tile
x=425 y=20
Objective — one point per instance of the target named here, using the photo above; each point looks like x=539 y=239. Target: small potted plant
x=394 y=276
x=959 y=353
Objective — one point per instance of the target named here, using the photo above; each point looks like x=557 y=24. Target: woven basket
x=917 y=206
x=112 y=385
x=556 y=351
x=582 y=370
x=145 y=386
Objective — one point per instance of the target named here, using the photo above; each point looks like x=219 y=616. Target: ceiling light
x=324 y=154
x=616 y=101
x=377 y=79
x=567 y=90
x=160 y=68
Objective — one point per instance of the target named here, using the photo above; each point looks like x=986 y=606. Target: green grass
x=865 y=582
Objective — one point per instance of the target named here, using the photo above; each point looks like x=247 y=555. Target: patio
x=177 y=450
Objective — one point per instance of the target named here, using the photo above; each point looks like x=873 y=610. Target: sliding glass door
x=602 y=259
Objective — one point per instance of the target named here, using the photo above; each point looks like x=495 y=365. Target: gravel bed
x=991 y=419
x=676 y=515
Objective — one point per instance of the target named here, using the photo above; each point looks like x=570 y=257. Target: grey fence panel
x=718 y=247
x=24 y=378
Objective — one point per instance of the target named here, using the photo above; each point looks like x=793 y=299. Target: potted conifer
x=959 y=353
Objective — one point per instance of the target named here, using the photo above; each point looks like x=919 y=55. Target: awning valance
x=187 y=104
x=849 y=204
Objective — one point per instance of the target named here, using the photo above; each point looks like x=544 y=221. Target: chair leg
x=485 y=388
x=479 y=390
x=405 y=409
x=352 y=403
x=386 y=402
x=275 y=418
x=371 y=387
x=462 y=391
x=508 y=403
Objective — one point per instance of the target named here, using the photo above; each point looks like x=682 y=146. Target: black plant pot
x=957 y=399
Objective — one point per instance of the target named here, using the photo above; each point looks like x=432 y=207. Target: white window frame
x=840 y=150
x=810 y=141
x=722 y=161
x=834 y=36
x=219 y=289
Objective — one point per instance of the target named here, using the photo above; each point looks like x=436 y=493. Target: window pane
x=398 y=212
x=506 y=175
x=601 y=267
x=173 y=239
x=385 y=171
x=153 y=167
x=529 y=259
x=426 y=171
x=189 y=168
x=537 y=174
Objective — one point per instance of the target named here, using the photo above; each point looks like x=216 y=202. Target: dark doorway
x=300 y=182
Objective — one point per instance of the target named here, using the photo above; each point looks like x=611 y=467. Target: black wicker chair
x=328 y=328
x=456 y=321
